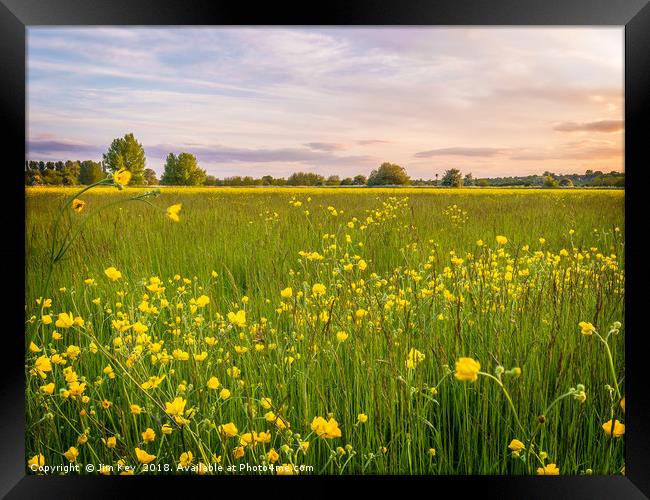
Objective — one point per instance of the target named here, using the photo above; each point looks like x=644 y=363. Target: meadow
x=350 y=330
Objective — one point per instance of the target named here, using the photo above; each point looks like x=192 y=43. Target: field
x=336 y=329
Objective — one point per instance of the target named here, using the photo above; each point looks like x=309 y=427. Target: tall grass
x=428 y=285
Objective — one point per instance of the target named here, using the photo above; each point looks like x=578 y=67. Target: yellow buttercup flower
x=176 y=407
x=143 y=456
x=237 y=319
x=149 y=435
x=586 y=328
x=136 y=410
x=516 y=445
x=616 y=430
x=228 y=430
x=113 y=274
x=548 y=470
x=327 y=429
x=65 y=321
x=318 y=289
x=173 y=210
x=501 y=240
x=467 y=369
x=362 y=418
x=213 y=383
x=122 y=177
x=36 y=461
x=71 y=454
x=414 y=358
x=78 y=205
x=286 y=293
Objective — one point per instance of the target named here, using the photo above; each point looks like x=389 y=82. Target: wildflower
x=623 y=404
x=113 y=274
x=616 y=429
x=71 y=454
x=213 y=383
x=414 y=358
x=286 y=293
x=47 y=389
x=143 y=456
x=34 y=348
x=266 y=403
x=467 y=369
x=82 y=439
x=148 y=435
x=186 y=458
x=43 y=365
x=432 y=452
x=172 y=212
x=166 y=429
x=326 y=429
x=202 y=301
x=548 y=470
x=176 y=407
x=362 y=418
x=516 y=446
x=110 y=442
x=78 y=205
x=501 y=240
x=238 y=452
x=228 y=430
x=46 y=319
x=341 y=336
x=136 y=410
x=224 y=394
x=272 y=455
x=318 y=289
x=586 y=328
x=122 y=177
x=65 y=321
x=362 y=265
x=106 y=404
x=237 y=319
x=36 y=461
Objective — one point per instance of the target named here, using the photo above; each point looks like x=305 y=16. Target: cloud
x=462 y=151
x=326 y=146
x=599 y=126
x=370 y=142
x=52 y=146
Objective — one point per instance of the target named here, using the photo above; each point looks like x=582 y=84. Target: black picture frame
x=17 y=15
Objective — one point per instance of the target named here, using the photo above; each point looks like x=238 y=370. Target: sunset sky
x=256 y=101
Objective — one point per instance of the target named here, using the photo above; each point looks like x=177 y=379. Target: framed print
x=373 y=243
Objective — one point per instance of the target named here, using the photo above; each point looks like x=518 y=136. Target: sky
x=335 y=101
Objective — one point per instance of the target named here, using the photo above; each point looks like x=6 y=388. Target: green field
x=412 y=281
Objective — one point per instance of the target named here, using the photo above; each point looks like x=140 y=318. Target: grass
x=426 y=285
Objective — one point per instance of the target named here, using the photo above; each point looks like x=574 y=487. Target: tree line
x=183 y=170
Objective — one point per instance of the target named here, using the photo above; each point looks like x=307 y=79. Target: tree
x=469 y=180
x=182 y=170
x=150 y=178
x=453 y=178
x=305 y=179
x=388 y=174
x=483 y=182
x=333 y=180
x=90 y=172
x=347 y=181
x=359 y=180
x=126 y=153
x=566 y=182
x=550 y=181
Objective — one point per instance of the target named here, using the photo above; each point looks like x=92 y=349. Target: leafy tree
x=211 y=180
x=126 y=153
x=305 y=179
x=566 y=182
x=347 y=181
x=182 y=170
x=388 y=174
x=333 y=180
x=150 y=178
x=483 y=182
x=267 y=180
x=453 y=178
x=550 y=181
x=469 y=180
x=359 y=180
x=90 y=172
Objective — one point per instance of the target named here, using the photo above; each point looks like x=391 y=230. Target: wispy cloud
x=598 y=126
x=461 y=151
x=334 y=100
